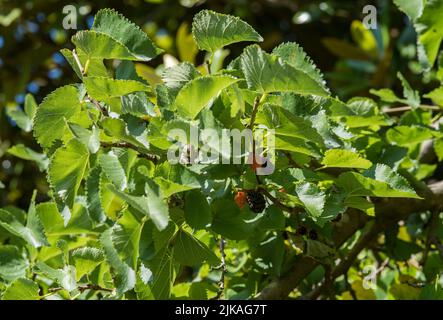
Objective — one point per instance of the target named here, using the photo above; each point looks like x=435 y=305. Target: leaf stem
x=83 y=72
x=152 y=157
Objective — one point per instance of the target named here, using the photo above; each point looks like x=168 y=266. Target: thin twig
x=224 y=269
x=152 y=157
x=347 y=262
x=408 y=108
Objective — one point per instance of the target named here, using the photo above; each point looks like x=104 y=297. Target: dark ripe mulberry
x=313 y=235
x=302 y=230
x=337 y=218
x=256 y=201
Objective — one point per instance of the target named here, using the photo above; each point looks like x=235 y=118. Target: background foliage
x=400 y=132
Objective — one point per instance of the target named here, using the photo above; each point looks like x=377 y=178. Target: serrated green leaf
x=177 y=76
x=22 y=120
x=56 y=108
x=64 y=277
x=199 y=93
x=25 y=153
x=54 y=224
x=113 y=169
x=197 y=211
x=380 y=181
x=126 y=237
x=32 y=233
x=429 y=26
x=66 y=171
x=267 y=73
x=118 y=129
x=90 y=138
x=229 y=222
x=102 y=89
x=112 y=36
x=152 y=205
x=405 y=136
x=93 y=195
x=436 y=96
x=189 y=251
x=95 y=66
x=412 y=97
x=13 y=263
x=337 y=158
x=412 y=8
x=86 y=259
x=138 y=104
x=213 y=31
x=125 y=276
x=295 y=56
x=312 y=197
x=22 y=289
x=175 y=179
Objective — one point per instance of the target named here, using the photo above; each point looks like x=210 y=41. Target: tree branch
x=388 y=212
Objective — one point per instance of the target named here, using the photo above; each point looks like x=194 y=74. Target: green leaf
x=32 y=233
x=175 y=179
x=23 y=152
x=22 y=120
x=379 y=181
x=126 y=237
x=177 y=76
x=429 y=26
x=162 y=268
x=137 y=104
x=22 y=289
x=54 y=224
x=103 y=89
x=93 y=195
x=213 y=31
x=229 y=222
x=56 y=108
x=438 y=147
x=337 y=158
x=152 y=205
x=295 y=56
x=412 y=8
x=267 y=73
x=66 y=171
x=113 y=169
x=197 y=211
x=312 y=197
x=13 y=263
x=90 y=138
x=412 y=97
x=288 y=124
x=118 y=129
x=405 y=136
x=436 y=96
x=362 y=204
x=112 y=36
x=64 y=277
x=190 y=251
x=86 y=259
x=125 y=276
x=199 y=93
x=95 y=66
x=386 y=95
